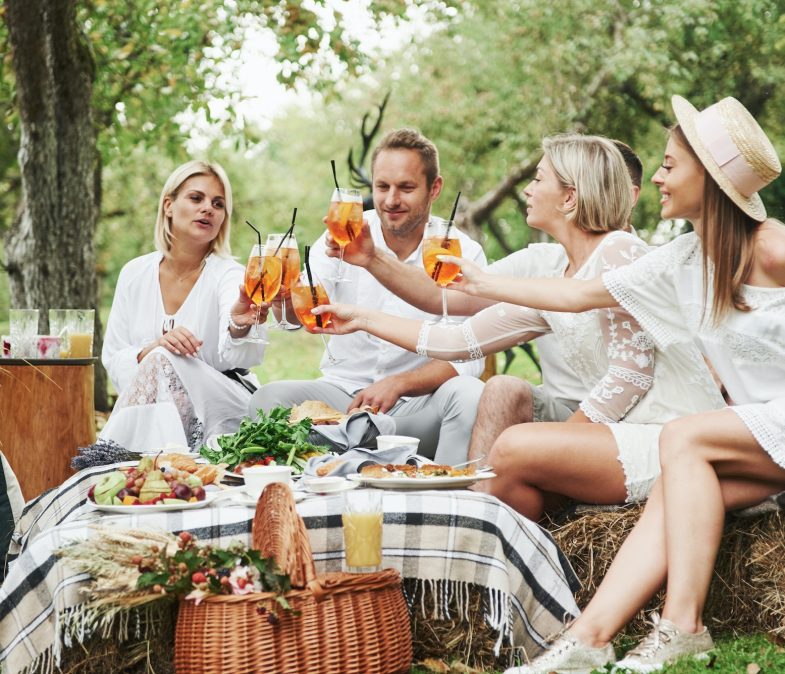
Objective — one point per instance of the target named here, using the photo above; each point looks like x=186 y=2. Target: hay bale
x=152 y=654
x=747 y=593
x=467 y=639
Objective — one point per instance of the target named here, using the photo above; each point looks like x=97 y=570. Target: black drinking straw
x=288 y=233
x=438 y=266
x=314 y=298
x=335 y=175
x=259 y=282
x=258 y=234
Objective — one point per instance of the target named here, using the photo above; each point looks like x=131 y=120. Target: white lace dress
x=610 y=352
x=168 y=399
x=664 y=291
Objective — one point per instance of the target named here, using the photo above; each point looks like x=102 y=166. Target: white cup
x=258 y=477
x=387 y=441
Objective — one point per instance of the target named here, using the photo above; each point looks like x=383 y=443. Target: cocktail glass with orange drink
x=307 y=295
x=290 y=270
x=263 y=275
x=344 y=221
x=441 y=238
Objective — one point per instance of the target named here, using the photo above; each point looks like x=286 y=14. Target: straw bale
x=466 y=639
x=747 y=593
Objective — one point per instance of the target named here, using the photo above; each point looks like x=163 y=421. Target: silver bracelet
x=239 y=328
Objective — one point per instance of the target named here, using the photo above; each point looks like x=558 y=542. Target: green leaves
x=272 y=435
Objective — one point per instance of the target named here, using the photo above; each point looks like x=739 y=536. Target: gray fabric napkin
x=351 y=461
x=359 y=430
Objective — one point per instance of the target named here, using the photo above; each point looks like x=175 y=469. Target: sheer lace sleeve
x=491 y=330
x=630 y=350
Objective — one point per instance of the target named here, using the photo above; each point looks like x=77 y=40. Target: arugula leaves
x=271 y=435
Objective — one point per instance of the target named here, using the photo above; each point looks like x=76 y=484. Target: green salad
x=271 y=438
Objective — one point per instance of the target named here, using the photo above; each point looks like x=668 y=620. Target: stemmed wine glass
x=344 y=221
x=290 y=270
x=262 y=277
x=307 y=296
x=441 y=238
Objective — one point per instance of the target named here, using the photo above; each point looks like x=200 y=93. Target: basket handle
x=279 y=532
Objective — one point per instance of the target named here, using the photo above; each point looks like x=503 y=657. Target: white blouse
x=137 y=317
x=665 y=292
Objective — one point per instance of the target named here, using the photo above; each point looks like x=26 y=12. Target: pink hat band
x=712 y=131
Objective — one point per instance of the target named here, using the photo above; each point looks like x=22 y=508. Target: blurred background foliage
x=485 y=79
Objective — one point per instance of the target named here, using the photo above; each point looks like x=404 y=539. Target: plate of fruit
x=151 y=485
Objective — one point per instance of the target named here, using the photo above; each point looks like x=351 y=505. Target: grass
x=743 y=655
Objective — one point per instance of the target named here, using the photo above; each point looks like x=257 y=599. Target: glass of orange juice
x=307 y=294
x=290 y=270
x=79 y=326
x=344 y=221
x=441 y=238
x=362 y=518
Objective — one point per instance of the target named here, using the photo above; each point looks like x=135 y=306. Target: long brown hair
x=727 y=243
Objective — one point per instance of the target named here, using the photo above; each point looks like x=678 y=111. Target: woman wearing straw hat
x=722 y=286
x=178 y=323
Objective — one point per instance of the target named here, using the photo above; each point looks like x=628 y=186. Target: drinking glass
x=344 y=221
x=440 y=238
x=290 y=270
x=58 y=326
x=80 y=324
x=23 y=328
x=262 y=277
x=306 y=297
x=362 y=519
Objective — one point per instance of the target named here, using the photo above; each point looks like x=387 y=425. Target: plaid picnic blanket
x=446 y=540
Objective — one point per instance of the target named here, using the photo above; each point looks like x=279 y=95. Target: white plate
x=156 y=508
x=421 y=482
x=238 y=496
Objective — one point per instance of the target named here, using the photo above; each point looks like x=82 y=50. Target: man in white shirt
x=429 y=399
x=505 y=400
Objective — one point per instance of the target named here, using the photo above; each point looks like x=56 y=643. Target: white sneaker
x=567 y=655
x=665 y=644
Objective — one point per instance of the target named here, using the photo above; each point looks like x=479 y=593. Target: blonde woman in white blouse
x=179 y=319
x=607 y=453
x=722 y=287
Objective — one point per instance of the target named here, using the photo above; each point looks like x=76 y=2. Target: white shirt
x=137 y=317
x=539 y=260
x=362 y=358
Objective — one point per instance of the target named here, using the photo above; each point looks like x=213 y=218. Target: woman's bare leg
x=639 y=568
x=711 y=462
x=533 y=461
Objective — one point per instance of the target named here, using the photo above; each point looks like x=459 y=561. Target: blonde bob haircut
x=174 y=183
x=595 y=169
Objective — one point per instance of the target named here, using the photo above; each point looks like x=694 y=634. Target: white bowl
x=387 y=441
x=258 y=477
x=324 y=485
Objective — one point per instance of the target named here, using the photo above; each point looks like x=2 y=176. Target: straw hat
x=732 y=148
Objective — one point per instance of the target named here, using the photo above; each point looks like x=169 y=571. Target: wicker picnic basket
x=347 y=623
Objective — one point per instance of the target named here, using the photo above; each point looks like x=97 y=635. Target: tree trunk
x=50 y=251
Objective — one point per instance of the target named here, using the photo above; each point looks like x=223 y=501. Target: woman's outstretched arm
x=549 y=294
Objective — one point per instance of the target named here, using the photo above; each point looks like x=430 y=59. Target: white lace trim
x=422 y=339
x=635 y=377
x=472 y=345
x=767 y=427
x=594 y=414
